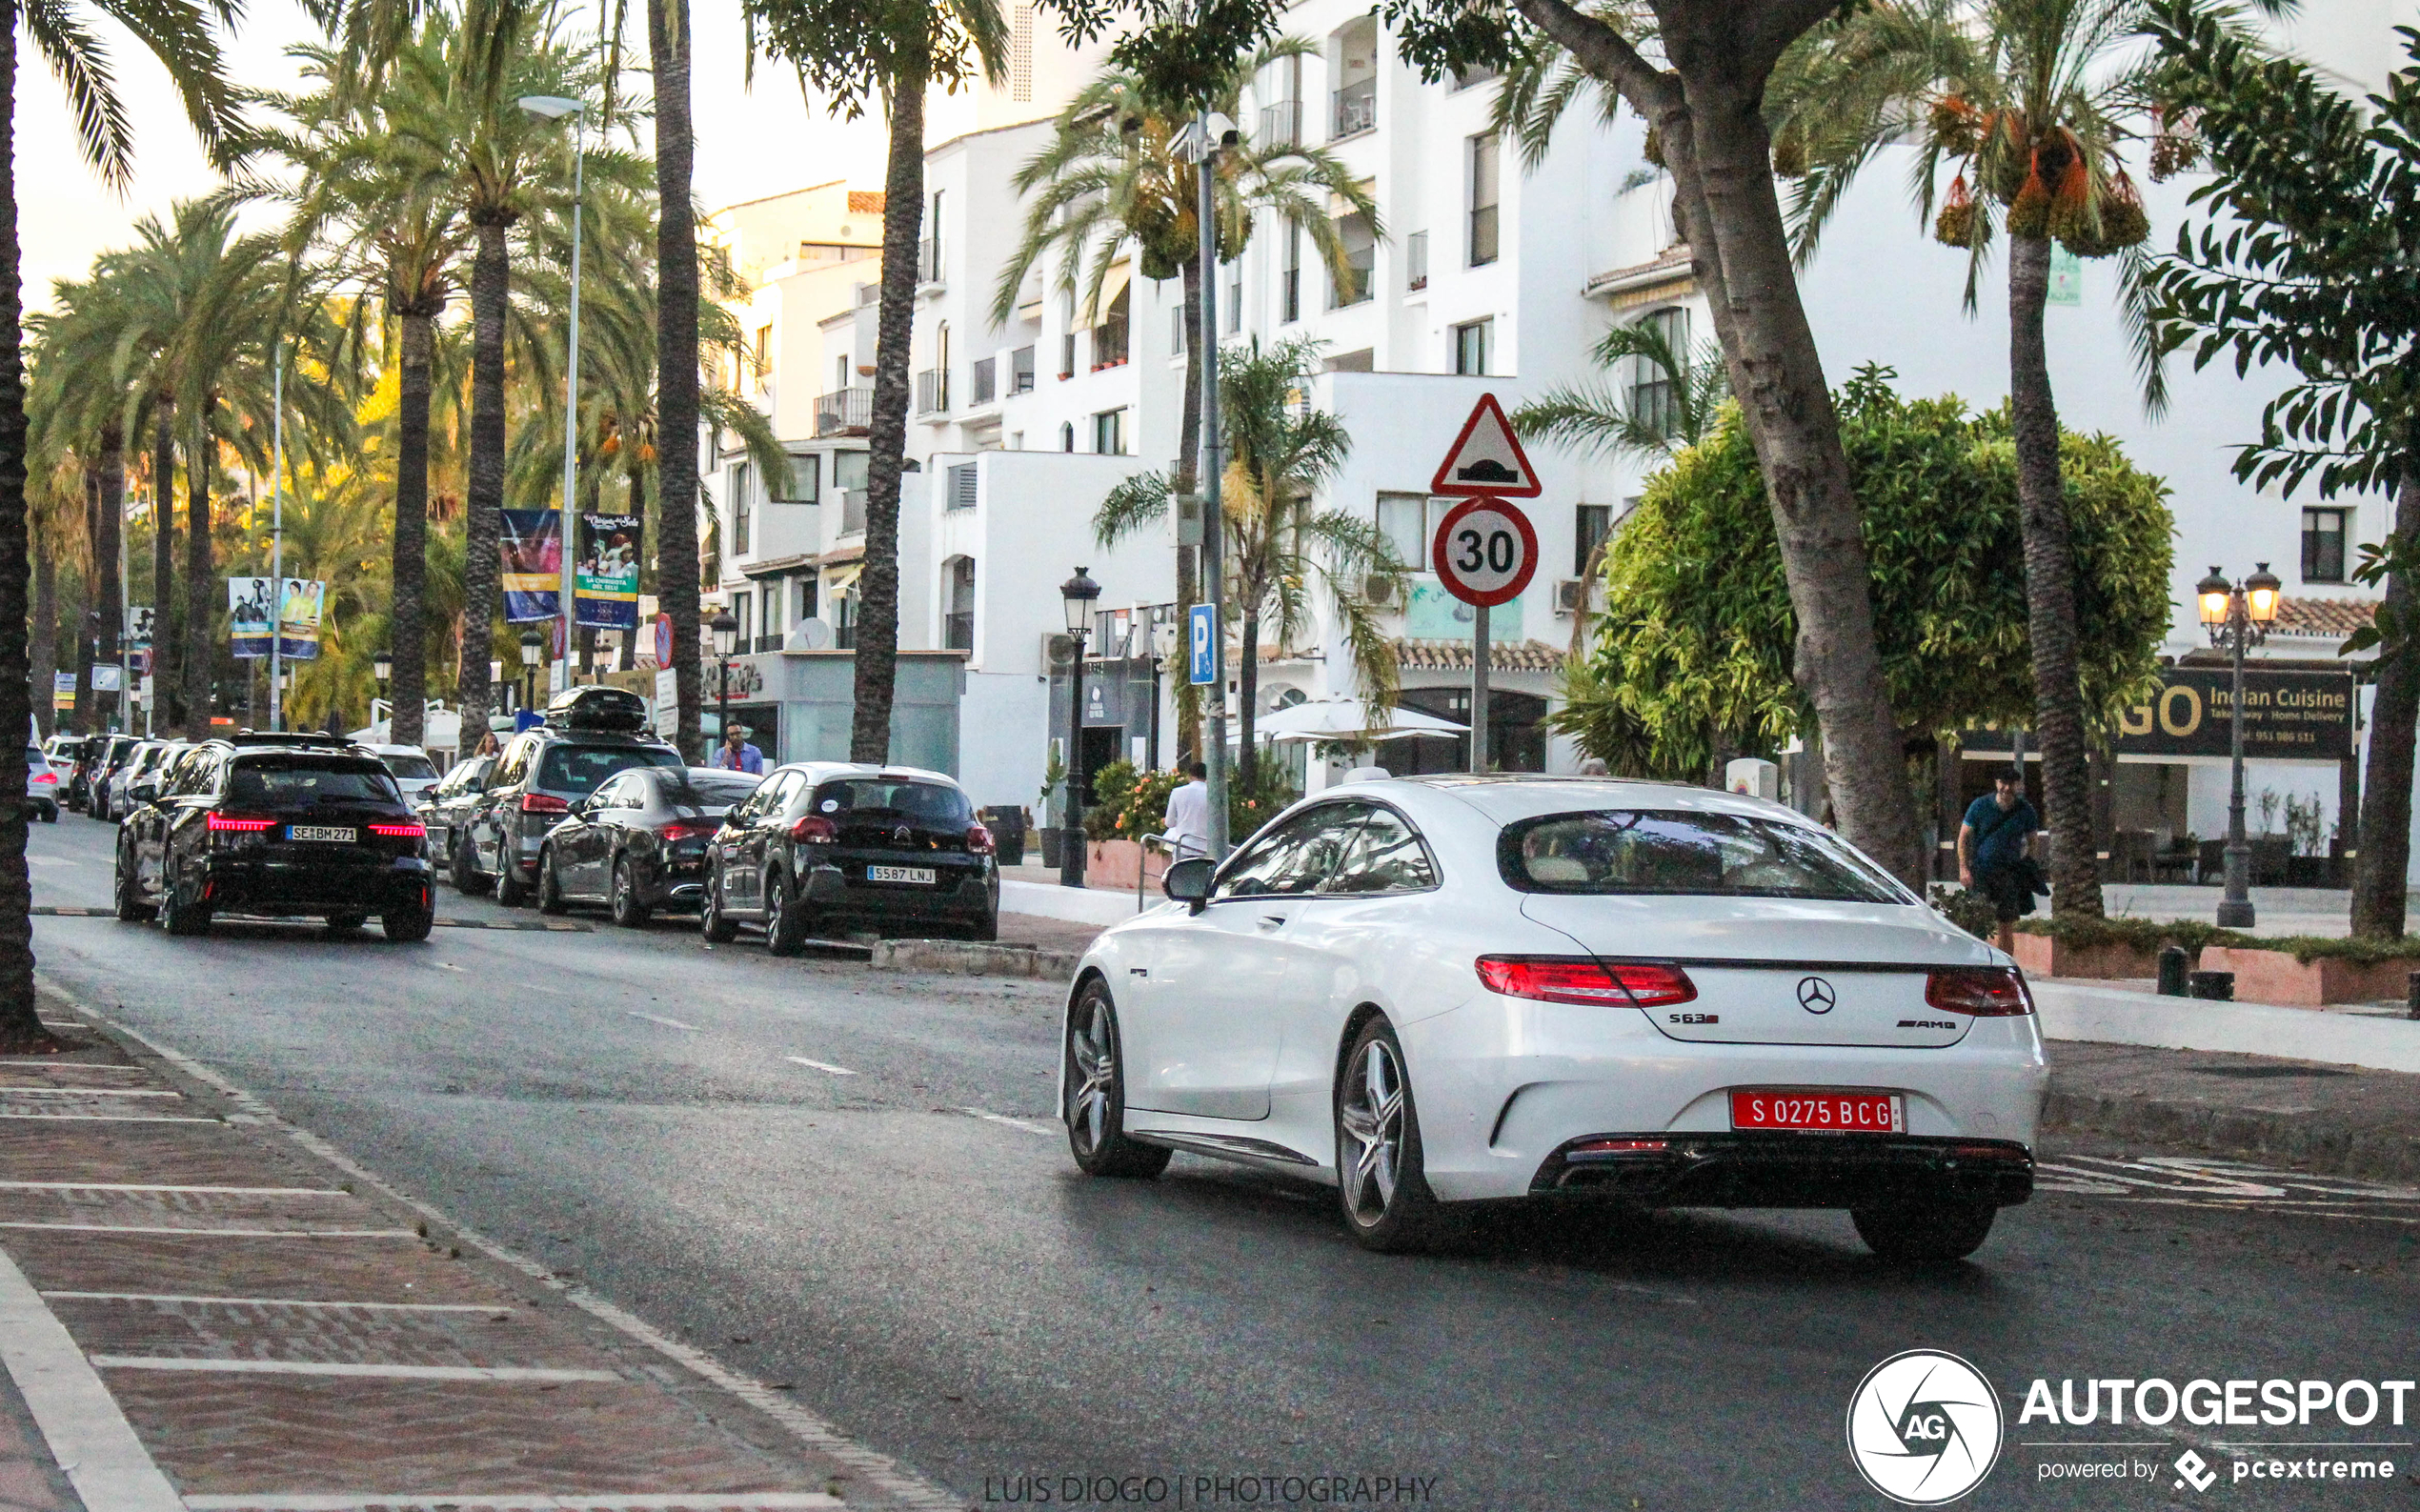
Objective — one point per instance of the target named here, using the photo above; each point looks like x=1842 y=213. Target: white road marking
x=88 y=1092
x=54 y=1063
x=327 y=1367
x=81 y=1422
x=272 y=1301
x=220 y=1233
x=513 y=1502
x=837 y=1071
x=110 y=1117
x=669 y=1023
x=135 y=1186
x=1014 y=1123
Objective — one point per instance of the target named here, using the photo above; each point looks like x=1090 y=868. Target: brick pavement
x=279 y=1343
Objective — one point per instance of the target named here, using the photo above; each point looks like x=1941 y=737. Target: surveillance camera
x=1222 y=128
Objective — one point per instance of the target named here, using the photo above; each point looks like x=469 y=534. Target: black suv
x=281 y=827
x=588 y=737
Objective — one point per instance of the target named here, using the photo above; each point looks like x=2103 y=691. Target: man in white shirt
x=1188 y=822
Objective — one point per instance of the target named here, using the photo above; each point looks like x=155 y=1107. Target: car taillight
x=1987 y=991
x=409 y=830
x=237 y=824
x=815 y=830
x=978 y=841
x=47 y=776
x=543 y=803
x=687 y=830
x=1580 y=980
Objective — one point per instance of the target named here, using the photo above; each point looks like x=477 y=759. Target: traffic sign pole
x=1480 y=652
x=1485 y=552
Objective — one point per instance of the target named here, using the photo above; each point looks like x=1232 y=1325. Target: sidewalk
x=202 y=1313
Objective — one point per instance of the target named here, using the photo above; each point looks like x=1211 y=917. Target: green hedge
x=2150 y=933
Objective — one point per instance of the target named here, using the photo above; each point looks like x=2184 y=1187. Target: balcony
x=845 y=413
x=1416 y=260
x=928 y=262
x=1281 y=125
x=852 y=511
x=1356 y=109
x=981 y=390
x=933 y=391
x=1109 y=346
x=767 y=643
x=1020 y=371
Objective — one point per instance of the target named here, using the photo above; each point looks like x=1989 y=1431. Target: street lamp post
x=554 y=107
x=725 y=627
x=532 y=647
x=1076 y=598
x=2237 y=619
x=382 y=666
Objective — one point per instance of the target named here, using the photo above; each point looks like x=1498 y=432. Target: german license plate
x=1814 y=1108
x=340 y=834
x=901 y=874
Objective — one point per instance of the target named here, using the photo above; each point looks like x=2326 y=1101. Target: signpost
x=1486 y=550
x=1202 y=642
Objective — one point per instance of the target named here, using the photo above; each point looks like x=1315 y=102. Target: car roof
x=398 y=750
x=1508 y=798
x=826 y=771
x=558 y=734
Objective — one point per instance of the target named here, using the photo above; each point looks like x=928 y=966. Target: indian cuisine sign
x=2287 y=716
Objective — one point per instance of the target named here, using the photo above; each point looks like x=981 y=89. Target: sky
x=750 y=142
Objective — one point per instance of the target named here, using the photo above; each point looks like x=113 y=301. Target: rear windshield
x=414 y=768
x=924 y=802
x=1623 y=852
x=296 y=781
x=711 y=790
x=583 y=769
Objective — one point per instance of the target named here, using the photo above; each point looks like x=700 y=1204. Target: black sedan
x=639 y=843
x=281 y=831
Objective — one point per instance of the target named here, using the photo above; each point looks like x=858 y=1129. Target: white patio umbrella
x=1345 y=719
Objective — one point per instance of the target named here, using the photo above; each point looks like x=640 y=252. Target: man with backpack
x=1993 y=842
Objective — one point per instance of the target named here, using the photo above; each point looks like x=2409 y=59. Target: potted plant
x=1054 y=773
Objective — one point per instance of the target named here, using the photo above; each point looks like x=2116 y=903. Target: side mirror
x=1188 y=882
x=143 y=792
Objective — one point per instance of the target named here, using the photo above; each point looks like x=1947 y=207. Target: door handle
x=1273 y=921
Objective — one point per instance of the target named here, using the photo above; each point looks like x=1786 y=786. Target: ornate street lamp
x=2237 y=619
x=533 y=650
x=1076 y=596
x=725 y=629
x=382 y=665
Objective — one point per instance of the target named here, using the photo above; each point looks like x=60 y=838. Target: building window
x=1067 y=436
x=1109 y=433
x=1355 y=97
x=1109 y=337
x=1234 y=297
x=1361 y=261
x=1416 y=260
x=1470 y=348
x=1589 y=525
x=1176 y=330
x=1020 y=371
x=1067 y=340
x=1655 y=399
x=1290 y=298
x=802 y=597
x=1483 y=199
x=928 y=269
x=2323 y=545
x=743 y=609
x=958 y=587
x=764 y=352
x=1403 y=518
x=806 y=479
x=1476 y=73
x=742 y=510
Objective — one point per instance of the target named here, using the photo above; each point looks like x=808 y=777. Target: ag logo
x=1815 y=994
x=1924 y=1427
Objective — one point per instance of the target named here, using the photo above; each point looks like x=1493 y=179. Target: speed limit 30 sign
x=1485 y=552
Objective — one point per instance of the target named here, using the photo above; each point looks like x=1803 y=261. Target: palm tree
x=178 y=32
x=83 y=401
x=1111 y=179
x=677 y=358
x=849 y=49
x=2032 y=104
x=1280 y=450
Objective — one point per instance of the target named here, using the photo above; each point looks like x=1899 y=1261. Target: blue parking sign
x=1201 y=630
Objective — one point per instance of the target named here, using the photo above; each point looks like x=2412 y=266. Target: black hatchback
x=889 y=849
x=279 y=830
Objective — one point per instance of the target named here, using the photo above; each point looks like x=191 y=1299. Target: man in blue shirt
x=737 y=754
x=1992 y=843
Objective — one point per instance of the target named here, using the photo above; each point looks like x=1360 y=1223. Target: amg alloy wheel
x=177 y=916
x=1925 y=1233
x=131 y=908
x=509 y=890
x=628 y=911
x=712 y=922
x=467 y=880
x=1096 y=1106
x=1386 y=1201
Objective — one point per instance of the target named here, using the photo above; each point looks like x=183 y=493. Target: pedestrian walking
x=1187 y=824
x=736 y=755
x=1995 y=845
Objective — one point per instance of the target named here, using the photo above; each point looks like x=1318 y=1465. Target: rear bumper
x=831 y=892
x=1788 y=1170
x=293 y=887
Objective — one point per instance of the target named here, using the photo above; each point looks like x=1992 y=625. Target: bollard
x=2175 y=967
x=2411 y=995
x=2214 y=986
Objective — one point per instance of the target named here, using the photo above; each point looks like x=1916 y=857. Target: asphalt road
x=850 y=1183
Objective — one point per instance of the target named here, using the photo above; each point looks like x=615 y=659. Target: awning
x=840 y=580
x=1121 y=272
x=779 y=566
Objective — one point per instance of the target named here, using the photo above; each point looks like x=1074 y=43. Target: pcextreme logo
x=1924 y=1427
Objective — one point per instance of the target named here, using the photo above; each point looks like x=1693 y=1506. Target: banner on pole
x=248 y=610
x=605 y=575
x=298 y=613
x=63 y=690
x=139 y=620
x=531 y=544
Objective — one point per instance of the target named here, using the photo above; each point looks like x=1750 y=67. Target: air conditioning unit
x=1058 y=648
x=1571 y=593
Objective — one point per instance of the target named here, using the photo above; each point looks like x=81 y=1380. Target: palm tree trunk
x=676 y=357
x=1248 y=698
x=2050 y=577
x=634 y=476
x=80 y=718
x=20 y=1029
x=407 y=638
x=1189 y=699
x=44 y=647
x=106 y=544
x=2385 y=836
x=164 y=615
x=877 y=638
x=200 y=655
x=490 y=288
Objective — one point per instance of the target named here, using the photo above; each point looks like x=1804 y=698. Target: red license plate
x=1817 y=1109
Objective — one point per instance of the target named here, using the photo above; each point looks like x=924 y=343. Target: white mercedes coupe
x=1435 y=992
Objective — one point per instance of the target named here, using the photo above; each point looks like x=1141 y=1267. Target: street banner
x=63 y=690
x=298 y=612
x=139 y=620
x=247 y=609
x=531 y=544
x=605 y=573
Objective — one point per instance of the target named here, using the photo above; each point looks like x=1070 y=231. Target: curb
x=2335 y=1146
x=958 y=957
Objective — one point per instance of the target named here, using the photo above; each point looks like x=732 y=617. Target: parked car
x=65 y=754
x=101 y=768
x=1445 y=991
x=140 y=770
x=539 y=775
x=412 y=769
x=444 y=808
x=281 y=829
x=639 y=843
x=820 y=843
x=41 y=786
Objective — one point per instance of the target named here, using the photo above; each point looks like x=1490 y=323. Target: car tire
x=131 y=910
x=51 y=815
x=712 y=922
x=346 y=923
x=1926 y=1232
x=467 y=880
x=550 y=886
x=1095 y=1107
x=509 y=890
x=627 y=909
x=786 y=918
x=1384 y=1197
x=177 y=916
x=407 y=926
x=98 y=809
x=985 y=928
